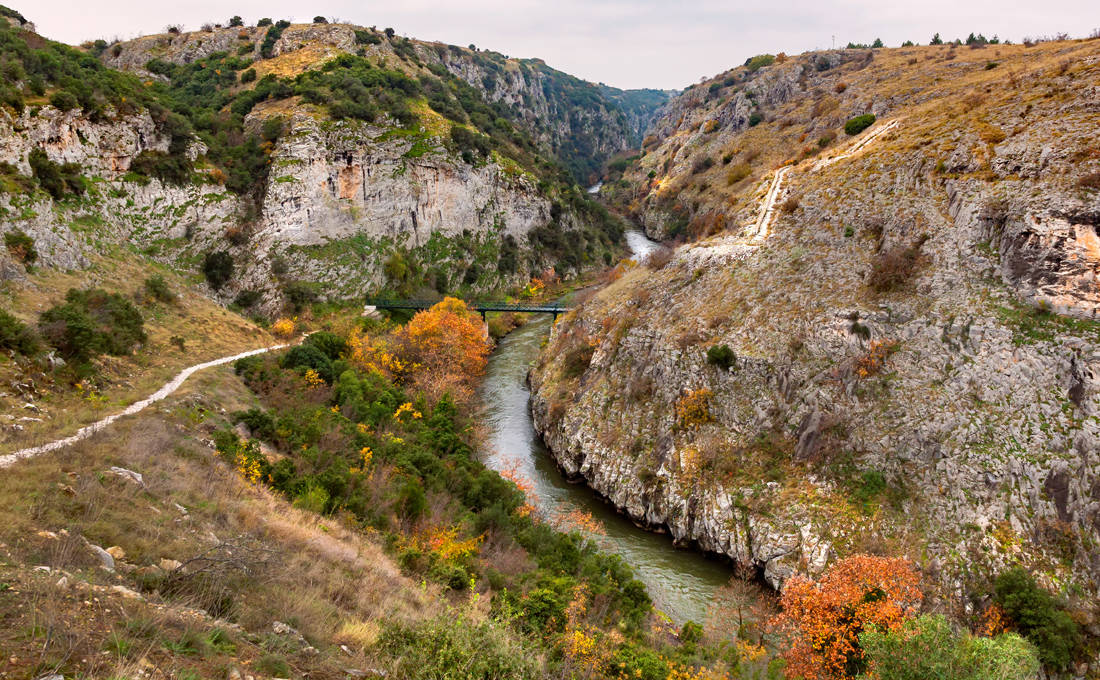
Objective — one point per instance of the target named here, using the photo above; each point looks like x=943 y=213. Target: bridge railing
x=477 y=306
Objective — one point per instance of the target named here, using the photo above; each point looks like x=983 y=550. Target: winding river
x=681 y=582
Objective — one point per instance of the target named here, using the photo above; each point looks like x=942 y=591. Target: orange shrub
x=693 y=409
x=822 y=620
x=283 y=328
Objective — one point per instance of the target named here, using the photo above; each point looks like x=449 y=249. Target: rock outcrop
x=912 y=350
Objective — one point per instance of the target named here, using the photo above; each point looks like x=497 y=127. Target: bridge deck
x=476 y=306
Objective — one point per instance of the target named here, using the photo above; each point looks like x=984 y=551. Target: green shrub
x=299 y=294
x=260 y=423
x=247 y=298
x=92 y=322
x=248 y=76
x=58 y=180
x=759 y=61
x=21 y=246
x=755 y=118
x=927 y=647
x=333 y=346
x=273 y=665
x=64 y=101
x=309 y=356
x=17 y=336
x=722 y=357
x=1039 y=616
x=457 y=648
x=363 y=37
x=157 y=288
x=168 y=168
x=217 y=267
x=856 y=125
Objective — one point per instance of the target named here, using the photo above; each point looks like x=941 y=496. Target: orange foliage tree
x=450 y=347
x=822 y=620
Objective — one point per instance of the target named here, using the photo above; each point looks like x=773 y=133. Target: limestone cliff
x=902 y=360
x=580 y=123
x=329 y=202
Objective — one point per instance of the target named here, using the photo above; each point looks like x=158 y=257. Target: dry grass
x=209 y=331
x=335 y=585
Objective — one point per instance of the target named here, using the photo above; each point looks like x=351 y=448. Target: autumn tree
x=447 y=346
x=823 y=620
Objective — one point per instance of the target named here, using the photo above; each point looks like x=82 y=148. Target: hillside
x=309 y=161
x=901 y=359
x=576 y=122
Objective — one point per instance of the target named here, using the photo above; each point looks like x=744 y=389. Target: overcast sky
x=626 y=43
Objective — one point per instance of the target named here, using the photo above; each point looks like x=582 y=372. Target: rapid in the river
x=681 y=582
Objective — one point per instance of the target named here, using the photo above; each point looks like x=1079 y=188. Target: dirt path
x=775 y=191
x=768 y=207
x=168 y=388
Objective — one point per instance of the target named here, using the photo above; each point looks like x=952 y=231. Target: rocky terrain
x=341 y=197
x=905 y=365
x=578 y=122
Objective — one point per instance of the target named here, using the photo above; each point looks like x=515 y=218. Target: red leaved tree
x=822 y=620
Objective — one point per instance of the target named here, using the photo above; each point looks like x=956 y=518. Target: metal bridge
x=480 y=307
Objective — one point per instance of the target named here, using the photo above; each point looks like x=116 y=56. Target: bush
x=58 y=180
x=1090 y=181
x=306 y=356
x=755 y=119
x=738 y=173
x=283 y=328
x=217 y=267
x=927 y=647
x=320 y=20
x=64 y=101
x=758 y=62
x=169 y=168
x=248 y=76
x=17 y=336
x=856 y=125
x=247 y=298
x=722 y=357
x=363 y=37
x=299 y=294
x=459 y=649
x=331 y=345
x=892 y=269
x=1039 y=616
x=21 y=246
x=235 y=21
x=92 y=322
x=157 y=288
x=659 y=257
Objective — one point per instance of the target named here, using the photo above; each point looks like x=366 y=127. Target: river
x=681 y=582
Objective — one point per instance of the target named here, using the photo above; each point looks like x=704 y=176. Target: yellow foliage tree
x=449 y=345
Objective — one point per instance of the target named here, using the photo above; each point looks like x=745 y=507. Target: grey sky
x=626 y=43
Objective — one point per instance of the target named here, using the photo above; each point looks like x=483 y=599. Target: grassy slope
x=332 y=584
x=209 y=332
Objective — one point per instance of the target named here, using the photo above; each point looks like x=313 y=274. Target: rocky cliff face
x=116 y=208
x=904 y=363
x=340 y=199
x=580 y=123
